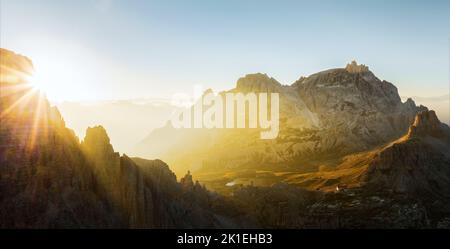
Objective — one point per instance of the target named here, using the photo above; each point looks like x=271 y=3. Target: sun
x=56 y=78
x=47 y=77
x=38 y=82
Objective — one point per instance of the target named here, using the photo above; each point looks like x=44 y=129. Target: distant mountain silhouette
x=116 y=117
x=440 y=104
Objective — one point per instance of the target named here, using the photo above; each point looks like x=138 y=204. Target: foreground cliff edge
x=400 y=179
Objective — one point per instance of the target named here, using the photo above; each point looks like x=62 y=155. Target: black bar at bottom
x=193 y=238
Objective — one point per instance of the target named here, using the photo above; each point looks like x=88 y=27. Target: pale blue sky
x=115 y=49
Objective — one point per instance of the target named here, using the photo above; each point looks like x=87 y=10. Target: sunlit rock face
x=355 y=108
x=48 y=179
x=353 y=67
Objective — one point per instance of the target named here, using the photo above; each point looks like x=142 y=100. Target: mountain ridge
x=331 y=112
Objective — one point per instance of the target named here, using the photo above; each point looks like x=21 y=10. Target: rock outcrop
x=353 y=67
x=427 y=123
x=418 y=163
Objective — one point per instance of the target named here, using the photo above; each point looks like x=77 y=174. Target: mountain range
x=323 y=118
x=350 y=154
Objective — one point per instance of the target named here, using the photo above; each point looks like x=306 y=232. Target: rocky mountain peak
x=257 y=82
x=425 y=123
x=354 y=67
x=410 y=103
x=97 y=141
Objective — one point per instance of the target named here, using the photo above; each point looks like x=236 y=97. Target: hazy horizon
x=79 y=115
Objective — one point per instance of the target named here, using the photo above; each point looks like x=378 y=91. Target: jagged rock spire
x=353 y=67
x=187 y=182
x=425 y=123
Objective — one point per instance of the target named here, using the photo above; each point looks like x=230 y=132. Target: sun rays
x=22 y=104
x=40 y=122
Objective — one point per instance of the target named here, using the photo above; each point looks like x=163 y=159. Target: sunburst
x=21 y=100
